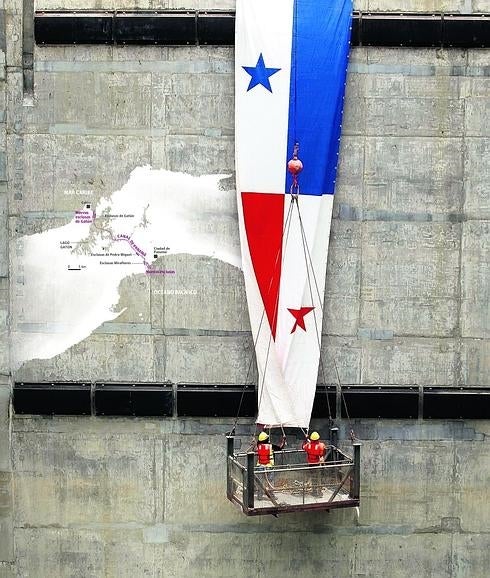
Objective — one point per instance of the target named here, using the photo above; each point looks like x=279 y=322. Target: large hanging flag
x=290 y=71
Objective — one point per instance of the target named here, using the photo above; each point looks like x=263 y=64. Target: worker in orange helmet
x=315 y=455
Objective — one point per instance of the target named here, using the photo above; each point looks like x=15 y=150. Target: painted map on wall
x=67 y=278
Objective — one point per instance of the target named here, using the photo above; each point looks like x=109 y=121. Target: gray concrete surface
x=6 y=508
x=407 y=304
x=97 y=497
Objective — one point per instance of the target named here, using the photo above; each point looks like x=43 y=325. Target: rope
x=294 y=60
x=305 y=242
x=307 y=254
x=351 y=428
x=276 y=306
x=287 y=225
x=309 y=265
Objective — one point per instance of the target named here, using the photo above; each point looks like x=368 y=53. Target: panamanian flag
x=290 y=71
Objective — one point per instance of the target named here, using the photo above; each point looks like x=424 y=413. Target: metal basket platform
x=293 y=485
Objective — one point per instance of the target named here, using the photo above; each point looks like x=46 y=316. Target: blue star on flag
x=260 y=74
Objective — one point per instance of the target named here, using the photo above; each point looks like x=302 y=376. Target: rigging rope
x=351 y=429
x=309 y=265
x=307 y=254
x=286 y=227
x=305 y=244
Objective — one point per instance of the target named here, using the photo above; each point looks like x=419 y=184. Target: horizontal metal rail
x=237 y=463
x=309 y=467
x=321 y=506
x=298 y=452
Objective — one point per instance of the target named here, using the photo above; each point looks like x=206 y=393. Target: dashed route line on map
x=150 y=270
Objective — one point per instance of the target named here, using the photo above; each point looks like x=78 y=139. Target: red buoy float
x=295 y=166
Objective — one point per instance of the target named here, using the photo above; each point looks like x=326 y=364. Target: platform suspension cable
x=349 y=421
x=295 y=166
x=308 y=253
x=309 y=264
x=286 y=228
x=258 y=330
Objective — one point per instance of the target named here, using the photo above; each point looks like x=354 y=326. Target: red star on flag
x=299 y=315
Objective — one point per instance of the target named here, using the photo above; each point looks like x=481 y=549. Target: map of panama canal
x=67 y=278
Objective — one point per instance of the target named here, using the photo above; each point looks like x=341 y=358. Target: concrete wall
x=6 y=508
x=144 y=498
x=407 y=303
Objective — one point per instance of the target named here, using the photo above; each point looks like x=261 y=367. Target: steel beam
x=196 y=28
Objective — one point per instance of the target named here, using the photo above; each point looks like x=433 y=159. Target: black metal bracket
x=197 y=28
x=201 y=400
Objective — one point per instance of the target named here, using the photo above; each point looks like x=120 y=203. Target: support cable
x=351 y=428
x=285 y=228
x=310 y=262
x=351 y=432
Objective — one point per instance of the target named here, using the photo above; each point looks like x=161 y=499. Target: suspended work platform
x=293 y=485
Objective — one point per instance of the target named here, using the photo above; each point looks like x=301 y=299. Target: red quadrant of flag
x=263 y=214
